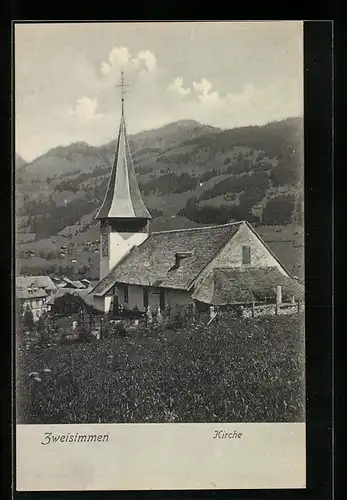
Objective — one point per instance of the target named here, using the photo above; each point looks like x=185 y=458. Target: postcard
x=160 y=285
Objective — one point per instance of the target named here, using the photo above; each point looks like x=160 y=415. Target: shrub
x=28 y=319
x=84 y=335
x=119 y=329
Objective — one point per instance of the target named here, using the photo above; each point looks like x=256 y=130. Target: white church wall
x=135 y=297
x=119 y=244
x=107 y=302
x=154 y=299
x=177 y=298
x=99 y=303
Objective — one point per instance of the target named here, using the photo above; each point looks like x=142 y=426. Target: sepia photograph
x=159 y=255
x=159 y=185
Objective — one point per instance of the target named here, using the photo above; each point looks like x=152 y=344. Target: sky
x=222 y=74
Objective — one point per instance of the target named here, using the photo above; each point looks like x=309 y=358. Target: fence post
x=253 y=309
x=278 y=298
x=298 y=306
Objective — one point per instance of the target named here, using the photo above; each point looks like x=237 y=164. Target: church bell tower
x=124 y=218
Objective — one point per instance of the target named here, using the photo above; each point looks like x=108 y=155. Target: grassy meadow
x=240 y=370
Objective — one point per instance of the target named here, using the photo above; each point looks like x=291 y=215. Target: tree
x=19 y=319
x=285 y=174
x=43 y=329
x=28 y=319
x=279 y=211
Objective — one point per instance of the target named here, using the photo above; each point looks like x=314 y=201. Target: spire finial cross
x=123 y=86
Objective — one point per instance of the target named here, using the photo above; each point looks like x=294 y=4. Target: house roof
x=30 y=293
x=35 y=281
x=78 y=284
x=123 y=198
x=72 y=283
x=83 y=294
x=153 y=262
x=232 y=286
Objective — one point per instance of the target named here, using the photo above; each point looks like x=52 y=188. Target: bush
x=84 y=335
x=119 y=329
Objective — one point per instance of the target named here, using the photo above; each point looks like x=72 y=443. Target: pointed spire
x=123 y=198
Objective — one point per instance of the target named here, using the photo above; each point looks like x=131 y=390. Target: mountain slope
x=201 y=174
x=19 y=162
x=81 y=157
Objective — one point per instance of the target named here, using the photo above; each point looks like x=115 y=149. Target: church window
x=104 y=244
x=246 y=255
x=145 y=297
x=162 y=299
x=126 y=294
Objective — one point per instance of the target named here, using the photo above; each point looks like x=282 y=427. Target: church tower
x=124 y=218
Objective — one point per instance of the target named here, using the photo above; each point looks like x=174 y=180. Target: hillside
x=19 y=162
x=188 y=174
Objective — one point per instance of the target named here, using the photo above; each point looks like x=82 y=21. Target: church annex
x=218 y=265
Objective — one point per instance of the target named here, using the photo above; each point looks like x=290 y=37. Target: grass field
x=236 y=371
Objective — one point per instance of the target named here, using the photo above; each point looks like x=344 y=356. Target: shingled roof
x=153 y=262
x=30 y=293
x=35 y=281
x=82 y=294
x=232 y=286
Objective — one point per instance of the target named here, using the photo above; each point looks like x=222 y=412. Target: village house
x=34 y=298
x=179 y=267
x=34 y=291
x=40 y=282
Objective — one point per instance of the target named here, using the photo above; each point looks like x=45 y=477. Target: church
x=220 y=264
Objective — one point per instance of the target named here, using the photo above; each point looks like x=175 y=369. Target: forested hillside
x=201 y=174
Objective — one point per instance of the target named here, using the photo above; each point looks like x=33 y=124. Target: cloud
x=149 y=60
x=85 y=109
x=204 y=95
x=212 y=98
x=177 y=87
x=247 y=94
x=204 y=86
x=120 y=58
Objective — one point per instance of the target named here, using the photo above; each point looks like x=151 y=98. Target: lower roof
x=153 y=262
x=236 y=286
